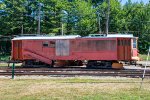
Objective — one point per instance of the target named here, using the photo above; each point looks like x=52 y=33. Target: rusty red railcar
x=104 y=51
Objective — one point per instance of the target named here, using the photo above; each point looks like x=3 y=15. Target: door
x=17 y=50
x=62 y=47
x=124 y=49
x=120 y=49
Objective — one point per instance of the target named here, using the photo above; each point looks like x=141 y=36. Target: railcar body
x=98 y=51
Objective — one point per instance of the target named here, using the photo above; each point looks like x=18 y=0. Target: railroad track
x=74 y=72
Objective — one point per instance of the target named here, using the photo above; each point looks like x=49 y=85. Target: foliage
x=77 y=16
x=4 y=57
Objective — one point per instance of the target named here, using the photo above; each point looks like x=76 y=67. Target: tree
x=80 y=17
x=137 y=18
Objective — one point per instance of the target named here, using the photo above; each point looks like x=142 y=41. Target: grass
x=4 y=64
x=143 y=57
x=74 y=89
x=4 y=57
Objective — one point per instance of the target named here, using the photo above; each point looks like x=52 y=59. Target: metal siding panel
x=127 y=50
x=15 y=52
x=65 y=47
x=124 y=49
x=58 y=48
x=62 y=47
x=19 y=50
x=120 y=49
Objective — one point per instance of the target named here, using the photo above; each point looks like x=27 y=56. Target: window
x=45 y=44
x=52 y=44
x=134 y=43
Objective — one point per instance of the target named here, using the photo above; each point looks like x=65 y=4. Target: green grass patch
x=143 y=57
x=4 y=57
x=84 y=88
x=4 y=64
x=107 y=80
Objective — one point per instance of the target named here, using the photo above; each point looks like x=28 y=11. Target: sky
x=145 y=1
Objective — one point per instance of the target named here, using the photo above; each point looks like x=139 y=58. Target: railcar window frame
x=134 y=44
x=49 y=44
x=52 y=44
x=45 y=44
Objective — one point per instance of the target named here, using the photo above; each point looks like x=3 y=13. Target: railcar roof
x=112 y=36
x=121 y=35
x=72 y=37
x=46 y=37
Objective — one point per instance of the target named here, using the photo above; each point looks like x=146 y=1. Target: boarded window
x=96 y=45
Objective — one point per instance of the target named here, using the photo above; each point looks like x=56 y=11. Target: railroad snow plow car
x=99 y=52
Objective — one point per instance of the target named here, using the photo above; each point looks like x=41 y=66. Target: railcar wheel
x=78 y=63
x=28 y=63
x=133 y=62
x=52 y=65
x=99 y=64
x=35 y=64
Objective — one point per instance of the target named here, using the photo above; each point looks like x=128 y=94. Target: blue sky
x=145 y=1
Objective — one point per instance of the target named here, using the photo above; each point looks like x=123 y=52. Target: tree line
x=80 y=17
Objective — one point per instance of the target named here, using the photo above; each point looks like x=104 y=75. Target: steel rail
x=74 y=72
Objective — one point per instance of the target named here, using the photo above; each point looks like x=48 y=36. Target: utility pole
x=62 y=29
x=107 y=17
x=145 y=68
x=22 y=29
x=99 y=23
x=39 y=18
